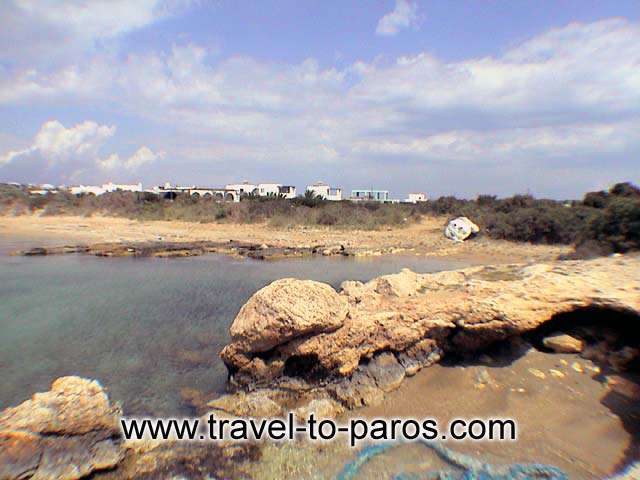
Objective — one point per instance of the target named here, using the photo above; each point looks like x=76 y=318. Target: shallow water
x=145 y=328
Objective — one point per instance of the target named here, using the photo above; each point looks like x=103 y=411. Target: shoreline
x=422 y=239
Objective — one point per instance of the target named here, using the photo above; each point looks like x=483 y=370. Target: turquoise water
x=145 y=328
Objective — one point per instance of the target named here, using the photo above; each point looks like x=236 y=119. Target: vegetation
x=603 y=222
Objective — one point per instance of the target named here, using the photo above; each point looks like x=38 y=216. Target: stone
x=416 y=316
x=258 y=404
x=386 y=371
x=401 y=284
x=284 y=310
x=420 y=355
x=65 y=433
x=563 y=343
x=321 y=408
x=459 y=229
x=357 y=391
x=537 y=373
x=194 y=398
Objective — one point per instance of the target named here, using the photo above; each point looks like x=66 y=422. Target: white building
x=287 y=191
x=269 y=189
x=244 y=188
x=325 y=191
x=263 y=189
x=416 y=197
x=370 y=195
x=121 y=187
x=105 y=188
x=86 y=190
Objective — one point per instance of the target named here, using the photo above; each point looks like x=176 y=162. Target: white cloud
x=55 y=144
x=143 y=156
x=572 y=91
x=51 y=30
x=513 y=144
x=404 y=15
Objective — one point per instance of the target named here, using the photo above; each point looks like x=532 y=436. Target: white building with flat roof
x=244 y=188
x=105 y=188
x=122 y=187
x=370 y=195
x=325 y=191
x=263 y=189
x=416 y=197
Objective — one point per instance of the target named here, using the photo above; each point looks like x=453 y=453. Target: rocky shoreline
x=164 y=249
x=360 y=342
x=302 y=346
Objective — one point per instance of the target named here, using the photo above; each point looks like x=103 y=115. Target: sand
x=423 y=238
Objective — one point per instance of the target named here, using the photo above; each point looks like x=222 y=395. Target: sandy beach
x=423 y=238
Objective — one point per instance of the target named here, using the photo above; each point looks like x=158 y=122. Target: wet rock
x=194 y=398
x=386 y=371
x=321 y=408
x=421 y=355
x=185 y=460
x=253 y=404
x=65 y=433
x=563 y=343
x=357 y=391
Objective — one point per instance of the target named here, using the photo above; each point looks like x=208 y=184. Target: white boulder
x=459 y=229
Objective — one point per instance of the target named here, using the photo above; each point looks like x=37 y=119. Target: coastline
x=422 y=239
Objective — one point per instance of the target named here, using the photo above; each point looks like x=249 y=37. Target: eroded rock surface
x=65 y=433
x=413 y=318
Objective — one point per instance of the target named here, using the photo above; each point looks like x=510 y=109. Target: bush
x=617 y=229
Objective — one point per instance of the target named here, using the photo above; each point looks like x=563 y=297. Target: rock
x=284 y=310
x=194 y=398
x=417 y=316
x=321 y=408
x=459 y=229
x=577 y=367
x=420 y=355
x=623 y=386
x=620 y=359
x=357 y=391
x=254 y=404
x=537 y=373
x=65 y=433
x=401 y=284
x=171 y=460
x=563 y=343
x=386 y=371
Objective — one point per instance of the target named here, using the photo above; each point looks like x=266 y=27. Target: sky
x=447 y=97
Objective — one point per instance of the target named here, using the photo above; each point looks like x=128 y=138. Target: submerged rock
x=65 y=433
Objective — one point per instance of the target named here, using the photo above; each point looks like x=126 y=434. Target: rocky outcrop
x=414 y=318
x=284 y=311
x=65 y=433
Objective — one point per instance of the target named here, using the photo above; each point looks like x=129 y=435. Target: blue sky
x=446 y=97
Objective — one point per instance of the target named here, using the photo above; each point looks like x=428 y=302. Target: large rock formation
x=65 y=433
x=416 y=317
x=284 y=311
